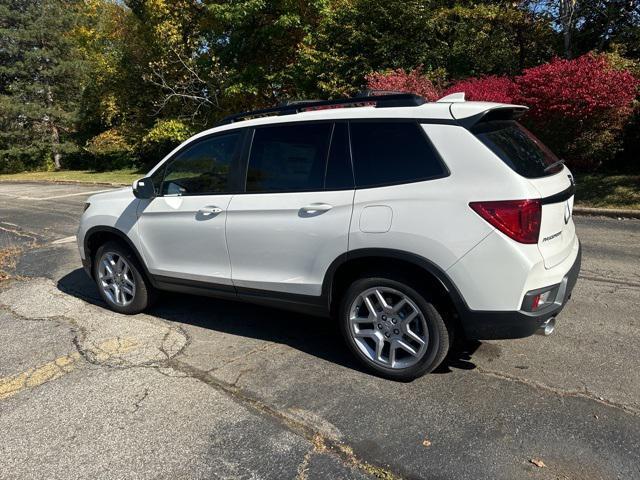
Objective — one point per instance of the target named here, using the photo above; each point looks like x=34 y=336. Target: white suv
x=408 y=221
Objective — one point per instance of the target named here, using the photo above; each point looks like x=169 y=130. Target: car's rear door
x=293 y=219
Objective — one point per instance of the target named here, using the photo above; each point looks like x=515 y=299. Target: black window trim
x=419 y=122
x=326 y=162
x=353 y=175
x=236 y=163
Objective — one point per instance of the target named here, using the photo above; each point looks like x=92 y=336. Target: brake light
x=518 y=219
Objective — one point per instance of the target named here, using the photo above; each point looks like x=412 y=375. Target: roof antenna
x=457 y=97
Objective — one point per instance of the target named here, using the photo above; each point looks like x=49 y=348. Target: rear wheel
x=392 y=328
x=119 y=278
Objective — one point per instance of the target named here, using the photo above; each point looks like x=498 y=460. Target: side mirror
x=143 y=188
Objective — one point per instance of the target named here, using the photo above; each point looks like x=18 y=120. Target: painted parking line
x=61 y=366
x=26 y=197
x=34 y=377
x=60 y=241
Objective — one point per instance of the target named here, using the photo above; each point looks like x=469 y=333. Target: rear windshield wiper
x=554 y=164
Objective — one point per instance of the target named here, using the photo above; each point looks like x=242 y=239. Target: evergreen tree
x=40 y=82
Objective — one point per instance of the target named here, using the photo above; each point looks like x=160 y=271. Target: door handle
x=317 y=208
x=210 y=209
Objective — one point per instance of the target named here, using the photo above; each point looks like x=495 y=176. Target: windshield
x=518 y=148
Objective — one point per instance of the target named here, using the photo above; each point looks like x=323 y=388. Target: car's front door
x=293 y=219
x=182 y=230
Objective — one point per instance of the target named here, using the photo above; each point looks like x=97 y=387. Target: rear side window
x=387 y=153
x=518 y=147
x=288 y=158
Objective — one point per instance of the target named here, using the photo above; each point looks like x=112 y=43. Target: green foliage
x=112 y=83
x=257 y=43
x=161 y=139
x=109 y=151
x=40 y=82
x=358 y=37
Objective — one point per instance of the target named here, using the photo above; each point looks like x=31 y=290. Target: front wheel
x=120 y=280
x=392 y=328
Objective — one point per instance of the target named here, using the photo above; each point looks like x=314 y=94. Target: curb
x=606 y=212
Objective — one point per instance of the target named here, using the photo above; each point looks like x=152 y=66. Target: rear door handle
x=317 y=207
x=210 y=209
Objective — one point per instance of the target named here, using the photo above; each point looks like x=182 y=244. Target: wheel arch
x=353 y=264
x=97 y=236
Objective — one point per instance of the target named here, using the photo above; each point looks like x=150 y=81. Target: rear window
x=518 y=148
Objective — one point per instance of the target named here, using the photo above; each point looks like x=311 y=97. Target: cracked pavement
x=202 y=388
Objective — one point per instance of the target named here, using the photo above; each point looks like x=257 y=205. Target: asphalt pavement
x=202 y=388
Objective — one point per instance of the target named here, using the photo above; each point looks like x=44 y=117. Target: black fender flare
x=388 y=253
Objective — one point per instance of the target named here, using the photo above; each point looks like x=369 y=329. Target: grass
x=593 y=190
x=608 y=191
x=126 y=176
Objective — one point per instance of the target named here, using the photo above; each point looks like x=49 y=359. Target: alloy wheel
x=115 y=278
x=388 y=327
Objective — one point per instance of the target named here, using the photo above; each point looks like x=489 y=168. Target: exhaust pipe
x=547 y=328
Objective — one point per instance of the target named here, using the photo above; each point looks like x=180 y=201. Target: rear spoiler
x=506 y=112
x=468 y=114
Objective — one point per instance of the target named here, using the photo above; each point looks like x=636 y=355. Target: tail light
x=518 y=219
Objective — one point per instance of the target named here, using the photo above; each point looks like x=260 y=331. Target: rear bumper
x=496 y=325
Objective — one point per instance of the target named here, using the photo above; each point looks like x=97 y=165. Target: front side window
x=288 y=158
x=387 y=153
x=202 y=168
x=518 y=148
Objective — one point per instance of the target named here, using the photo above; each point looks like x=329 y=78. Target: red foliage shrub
x=489 y=89
x=576 y=89
x=413 y=81
x=579 y=107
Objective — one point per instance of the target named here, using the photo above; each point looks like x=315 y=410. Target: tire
x=136 y=293
x=415 y=318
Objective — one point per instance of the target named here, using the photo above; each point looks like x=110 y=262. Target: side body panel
x=277 y=243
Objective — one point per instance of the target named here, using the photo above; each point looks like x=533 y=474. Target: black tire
x=144 y=292
x=438 y=343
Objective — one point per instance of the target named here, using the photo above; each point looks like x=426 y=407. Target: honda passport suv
x=407 y=221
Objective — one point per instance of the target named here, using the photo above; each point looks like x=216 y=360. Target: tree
x=40 y=82
x=357 y=37
x=587 y=25
x=258 y=45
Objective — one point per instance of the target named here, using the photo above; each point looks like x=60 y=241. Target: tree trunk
x=55 y=141
x=566 y=10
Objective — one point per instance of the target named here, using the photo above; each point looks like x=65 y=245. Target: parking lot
x=202 y=388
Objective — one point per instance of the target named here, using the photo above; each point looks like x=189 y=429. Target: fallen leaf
x=537 y=462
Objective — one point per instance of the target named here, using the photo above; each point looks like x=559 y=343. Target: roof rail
x=379 y=101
